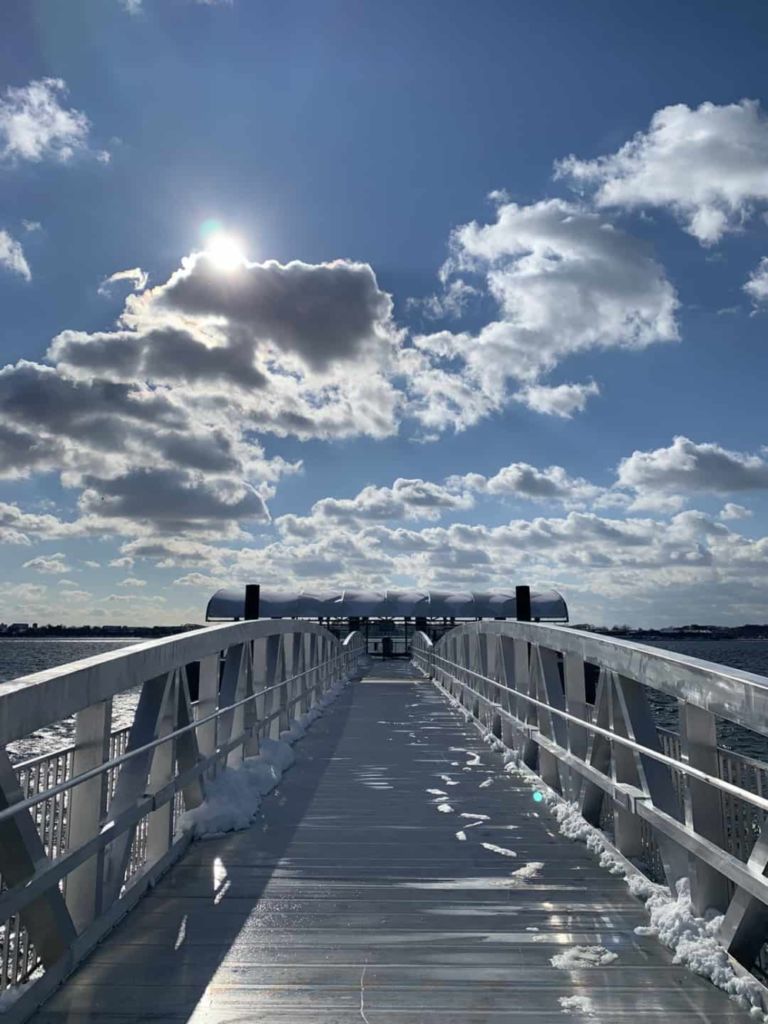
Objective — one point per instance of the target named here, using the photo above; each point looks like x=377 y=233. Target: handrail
x=66 y=689
x=104 y=823
x=76 y=780
x=731 y=693
x=682 y=766
x=676 y=814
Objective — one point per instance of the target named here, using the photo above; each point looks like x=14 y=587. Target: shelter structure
x=229 y=604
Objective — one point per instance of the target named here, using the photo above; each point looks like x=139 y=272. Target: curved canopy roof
x=229 y=603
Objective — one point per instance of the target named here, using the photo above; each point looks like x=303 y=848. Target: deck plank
x=352 y=899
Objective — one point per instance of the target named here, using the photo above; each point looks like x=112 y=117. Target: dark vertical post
x=523 y=604
x=252 y=595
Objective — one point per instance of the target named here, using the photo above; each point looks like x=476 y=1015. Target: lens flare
x=538 y=797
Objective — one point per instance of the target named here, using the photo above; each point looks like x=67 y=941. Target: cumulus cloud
x=12 y=256
x=405 y=499
x=451 y=302
x=35 y=126
x=173 y=499
x=565 y=280
x=709 y=165
x=294 y=349
x=687 y=467
x=133 y=582
x=19 y=527
x=561 y=400
x=130 y=447
x=324 y=314
x=522 y=480
x=196 y=579
x=757 y=285
x=54 y=564
x=136 y=278
x=731 y=511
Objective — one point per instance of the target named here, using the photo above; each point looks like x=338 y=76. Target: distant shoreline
x=23 y=631
x=746 y=632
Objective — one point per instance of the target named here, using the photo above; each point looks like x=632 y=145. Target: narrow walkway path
x=353 y=899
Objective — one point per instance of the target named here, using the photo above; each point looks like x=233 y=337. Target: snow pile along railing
x=86 y=829
x=584 y=711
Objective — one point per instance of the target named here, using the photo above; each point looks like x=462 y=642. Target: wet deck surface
x=352 y=899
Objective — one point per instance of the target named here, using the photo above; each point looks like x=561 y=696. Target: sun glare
x=225 y=251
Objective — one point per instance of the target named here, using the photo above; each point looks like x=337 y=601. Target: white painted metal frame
x=654 y=794
x=85 y=831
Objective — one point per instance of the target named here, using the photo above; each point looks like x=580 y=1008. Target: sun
x=225 y=251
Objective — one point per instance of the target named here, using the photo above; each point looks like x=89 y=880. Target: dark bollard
x=523 y=604
x=252 y=595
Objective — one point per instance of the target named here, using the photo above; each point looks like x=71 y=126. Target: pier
x=409 y=866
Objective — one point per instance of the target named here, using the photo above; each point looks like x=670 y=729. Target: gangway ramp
x=355 y=898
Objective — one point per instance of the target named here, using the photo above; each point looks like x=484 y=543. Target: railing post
x=160 y=821
x=575 y=704
x=313 y=673
x=552 y=725
x=207 y=703
x=655 y=779
x=510 y=735
x=626 y=826
x=703 y=804
x=303 y=665
x=250 y=710
x=745 y=924
x=187 y=748
x=132 y=782
x=87 y=807
x=280 y=675
x=231 y=688
x=526 y=683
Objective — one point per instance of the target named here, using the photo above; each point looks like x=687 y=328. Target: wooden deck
x=352 y=899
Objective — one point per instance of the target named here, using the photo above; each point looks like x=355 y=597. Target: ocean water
x=23 y=657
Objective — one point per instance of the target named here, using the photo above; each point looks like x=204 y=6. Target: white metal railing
x=674 y=801
x=84 y=830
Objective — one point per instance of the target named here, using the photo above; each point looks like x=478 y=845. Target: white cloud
x=12 y=256
x=687 y=467
x=561 y=400
x=709 y=165
x=35 y=126
x=451 y=302
x=405 y=499
x=136 y=277
x=521 y=480
x=293 y=349
x=17 y=526
x=54 y=564
x=132 y=581
x=757 y=285
x=197 y=579
x=32 y=225
x=731 y=511
x=565 y=281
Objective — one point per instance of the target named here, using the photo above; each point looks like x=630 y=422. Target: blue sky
x=441 y=294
